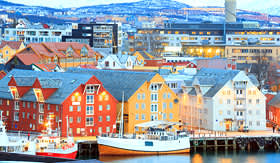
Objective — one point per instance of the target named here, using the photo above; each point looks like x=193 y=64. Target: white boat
x=20 y=146
x=157 y=140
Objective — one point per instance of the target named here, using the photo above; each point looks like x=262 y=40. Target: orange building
x=66 y=54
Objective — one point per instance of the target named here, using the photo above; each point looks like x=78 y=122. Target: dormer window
x=14 y=92
x=69 y=52
x=39 y=95
x=84 y=52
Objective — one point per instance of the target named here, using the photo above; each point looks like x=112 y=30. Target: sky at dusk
x=241 y=4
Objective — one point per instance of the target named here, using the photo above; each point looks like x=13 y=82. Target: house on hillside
x=117 y=62
x=9 y=48
x=66 y=54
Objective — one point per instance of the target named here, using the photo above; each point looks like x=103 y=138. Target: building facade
x=223 y=100
x=9 y=48
x=144 y=95
x=100 y=36
x=29 y=99
x=66 y=54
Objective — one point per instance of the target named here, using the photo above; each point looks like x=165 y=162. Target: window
x=23 y=114
x=23 y=104
x=164 y=116
x=170 y=105
x=90 y=89
x=100 y=118
x=108 y=118
x=108 y=107
x=16 y=116
x=228 y=101
x=164 y=96
x=8 y=102
x=154 y=87
x=70 y=119
x=170 y=115
x=250 y=101
x=138 y=96
x=154 y=97
x=228 y=112
x=143 y=116
x=258 y=123
x=27 y=116
x=250 y=123
x=79 y=119
x=89 y=110
x=257 y=101
x=220 y=112
x=90 y=99
x=169 y=95
x=143 y=105
x=89 y=121
x=34 y=116
x=137 y=106
x=100 y=108
x=100 y=130
x=16 y=105
x=41 y=108
x=28 y=104
x=34 y=105
x=154 y=107
x=41 y=118
x=107 y=129
x=70 y=108
x=154 y=117
x=78 y=108
x=221 y=101
x=49 y=106
x=143 y=96
x=136 y=116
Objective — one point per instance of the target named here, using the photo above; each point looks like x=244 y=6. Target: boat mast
x=121 y=123
x=67 y=125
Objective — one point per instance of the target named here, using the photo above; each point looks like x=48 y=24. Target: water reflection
x=147 y=159
x=203 y=157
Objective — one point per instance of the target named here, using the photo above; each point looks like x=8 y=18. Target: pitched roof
x=145 y=55
x=117 y=82
x=11 y=44
x=46 y=67
x=275 y=101
x=65 y=83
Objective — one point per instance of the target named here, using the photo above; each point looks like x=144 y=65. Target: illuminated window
x=14 y=92
x=39 y=95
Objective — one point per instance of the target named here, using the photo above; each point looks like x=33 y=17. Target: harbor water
x=203 y=157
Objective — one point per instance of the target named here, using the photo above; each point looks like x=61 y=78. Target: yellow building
x=146 y=96
x=253 y=53
x=9 y=48
x=141 y=56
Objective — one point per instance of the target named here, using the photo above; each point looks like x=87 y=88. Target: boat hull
x=71 y=155
x=120 y=146
x=108 y=150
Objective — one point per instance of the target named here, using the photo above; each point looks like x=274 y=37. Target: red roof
x=11 y=44
x=188 y=64
x=2 y=74
x=47 y=67
x=89 y=66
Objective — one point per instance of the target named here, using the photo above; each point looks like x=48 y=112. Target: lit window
x=100 y=118
x=39 y=94
x=100 y=107
x=108 y=107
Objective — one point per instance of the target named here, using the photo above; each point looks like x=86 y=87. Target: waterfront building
x=100 y=36
x=36 y=33
x=29 y=98
x=223 y=100
x=146 y=96
x=66 y=54
x=117 y=62
x=273 y=112
x=9 y=48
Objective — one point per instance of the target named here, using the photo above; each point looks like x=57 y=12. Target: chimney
x=230 y=11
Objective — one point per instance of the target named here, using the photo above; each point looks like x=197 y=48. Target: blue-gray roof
x=275 y=101
x=117 y=82
x=65 y=83
x=214 y=78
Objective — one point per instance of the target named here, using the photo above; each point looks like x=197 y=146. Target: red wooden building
x=30 y=99
x=273 y=109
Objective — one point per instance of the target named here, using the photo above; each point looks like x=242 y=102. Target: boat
x=157 y=140
x=51 y=144
x=16 y=145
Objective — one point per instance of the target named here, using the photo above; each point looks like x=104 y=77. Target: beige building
x=253 y=53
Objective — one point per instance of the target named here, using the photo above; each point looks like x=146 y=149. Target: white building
x=223 y=100
x=37 y=34
x=117 y=62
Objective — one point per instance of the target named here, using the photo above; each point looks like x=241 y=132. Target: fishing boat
x=51 y=144
x=157 y=140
